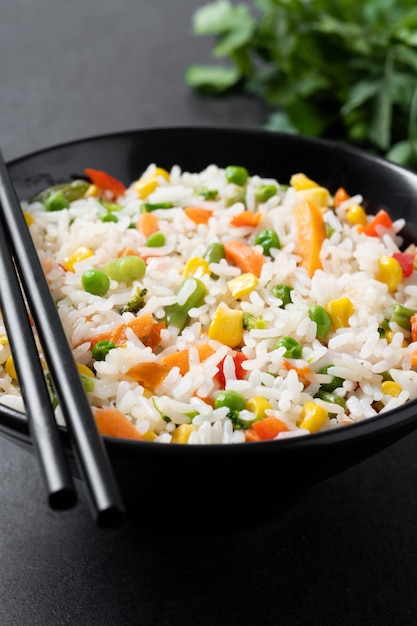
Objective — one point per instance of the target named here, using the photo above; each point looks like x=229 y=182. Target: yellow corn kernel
x=227 y=326
x=389 y=272
x=340 y=311
x=144 y=186
x=356 y=215
x=92 y=192
x=79 y=255
x=83 y=369
x=319 y=195
x=197 y=267
x=3 y=340
x=390 y=388
x=28 y=218
x=313 y=416
x=300 y=181
x=149 y=436
x=160 y=171
x=182 y=433
x=242 y=285
x=258 y=405
x=10 y=368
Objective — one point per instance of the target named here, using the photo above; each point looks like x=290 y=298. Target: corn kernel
x=258 y=405
x=182 y=433
x=389 y=272
x=390 y=388
x=28 y=218
x=242 y=285
x=3 y=340
x=300 y=181
x=83 y=369
x=79 y=255
x=227 y=326
x=149 y=436
x=160 y=171
x=319 y=195
x=10 y=368
x=313 y=416
x=197 y=267
x=144 y=186
x=356 y=215
x=92 y=192
x=340 y=311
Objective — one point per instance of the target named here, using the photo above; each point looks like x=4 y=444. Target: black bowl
x=221 y=486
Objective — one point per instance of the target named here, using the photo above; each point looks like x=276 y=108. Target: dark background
x=343 y=553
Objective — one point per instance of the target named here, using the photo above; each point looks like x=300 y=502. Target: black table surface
x=345 y=552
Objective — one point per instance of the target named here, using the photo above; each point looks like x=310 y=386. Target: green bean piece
x=177 y=314
x=214 y=253
x=148 y=207
x=102 y=348
x=56 y=201
x=109 y=217
x=87 y=382
x=282 y=292
x=95 y=282
x=208 y=194
x=230 y=398
x=265 y=191
x=268 y=239
x=333 y=398
x=293 y=349
x=335 y=382
x=126 y=268
x=156 y=240
x=401 y=316
x=73 y=190
x=319 y=315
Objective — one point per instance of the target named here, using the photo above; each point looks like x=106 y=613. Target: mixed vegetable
x=250 y=246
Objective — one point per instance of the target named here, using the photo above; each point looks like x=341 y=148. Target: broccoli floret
x=250 y=321
x=135 y=302
x=238 y=422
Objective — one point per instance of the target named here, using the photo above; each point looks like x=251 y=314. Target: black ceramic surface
x=272 y=472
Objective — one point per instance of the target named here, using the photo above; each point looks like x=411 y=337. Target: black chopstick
x=89 y=450
x=40 y=414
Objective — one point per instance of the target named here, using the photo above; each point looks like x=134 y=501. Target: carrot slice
x=413 y=324
x=311 y=232
x=105 y=181
x=128 y=252
x=198 y=215
x=181 y=358
x=382 y=218
x=340 y=196
x=246 y=218
x=114 y=423
x=269 y=427
x=248 y=258
x=144 y=327
x=150 y=374
x=147 y=223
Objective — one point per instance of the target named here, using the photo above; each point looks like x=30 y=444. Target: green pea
x=56 y=201
x=95 y=282
x=293 y=349
x=335 y=382
x=109 y=217
x=156 y=240
x=208 y=194
x=268 y=239
x=282 y=292
x=214 y=252
x=265 y=191
x=234 y=195
x=126 y=268
x=236 y=174
x=233 y=400
x=102 y=348
x=323 y=320
x=177 y=314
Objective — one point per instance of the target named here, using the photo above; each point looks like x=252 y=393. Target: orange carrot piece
x=128 y=252
x=105 y=181
x=147 y=224
x=246 y=218
x=244 y=256
x=181 y=358
x=340 y=196
x=144 y=327
x=198 y=215
x=303 y=372
x=269 y=427
x=114 y=423
x=150 y=374
x=382 y=218
x=413 y=358
x=311 y=232
x=251 y=435
x=413 y=324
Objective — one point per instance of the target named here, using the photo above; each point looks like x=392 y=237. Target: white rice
x=359 y=352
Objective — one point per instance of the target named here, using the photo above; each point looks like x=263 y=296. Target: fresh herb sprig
x=345 y=70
